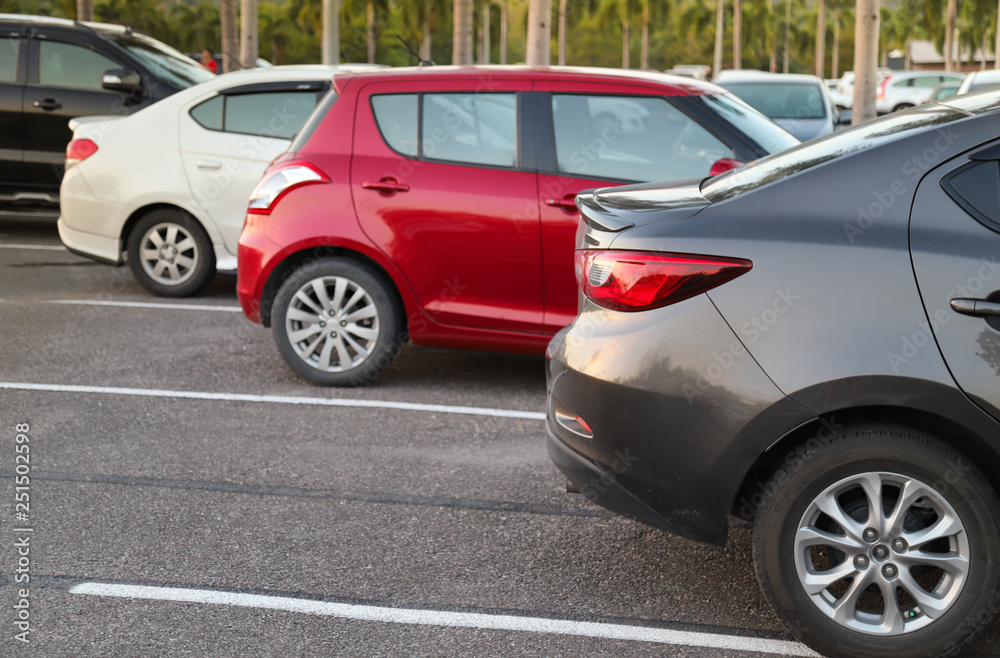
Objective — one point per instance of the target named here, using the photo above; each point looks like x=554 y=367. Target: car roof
x=985 y=76
x=680 y=85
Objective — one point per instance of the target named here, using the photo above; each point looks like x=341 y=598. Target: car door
x=955 y=242
x=13 y=50
x=600 y=136
x=442 y=183
x=227 y=140
x=64 y=81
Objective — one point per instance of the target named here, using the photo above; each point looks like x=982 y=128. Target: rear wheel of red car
x=170 y=254
x=880 y=543
x=337 y=323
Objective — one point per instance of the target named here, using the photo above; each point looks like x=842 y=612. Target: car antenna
x=413 y=51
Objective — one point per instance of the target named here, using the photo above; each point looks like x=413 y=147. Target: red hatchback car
x=436 y=205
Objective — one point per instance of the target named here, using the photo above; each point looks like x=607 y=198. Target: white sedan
x=168 y=185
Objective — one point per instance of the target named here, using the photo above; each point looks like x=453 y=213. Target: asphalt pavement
x=183 y=493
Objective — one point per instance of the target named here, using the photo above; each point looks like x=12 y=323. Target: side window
x=470 y=128
x=75 y=67
x=9 y=48
x=976 y=188
x=269 y=114
x=208 y=114
x=927 y=81
x=632 y=138
x=396 y=116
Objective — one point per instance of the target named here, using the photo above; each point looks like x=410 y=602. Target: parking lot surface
x=188 y=495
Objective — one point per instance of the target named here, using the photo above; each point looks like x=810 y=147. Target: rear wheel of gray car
x=880 y=543
x=336 y=322
x=170 y=254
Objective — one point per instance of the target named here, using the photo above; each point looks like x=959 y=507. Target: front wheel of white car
x=880 y=543
x=170 y=254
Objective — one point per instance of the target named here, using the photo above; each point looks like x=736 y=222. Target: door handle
x=980 y=308
x=48 y=104
x=208 y=164
x=567 y=203
x=386 y=186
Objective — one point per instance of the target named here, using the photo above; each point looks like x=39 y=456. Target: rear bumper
x=102 y=248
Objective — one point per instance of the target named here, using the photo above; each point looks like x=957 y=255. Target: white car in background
x=901 y=90
x=798 y=103
x=979 y=80
x=169 y=185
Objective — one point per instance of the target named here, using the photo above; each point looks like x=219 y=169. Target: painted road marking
x=275 y=399
x=173 y=307
x=445 y=618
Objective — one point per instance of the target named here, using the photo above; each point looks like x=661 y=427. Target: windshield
x=752 y=123
x=888 y=129
x=782 y=100
x=162 y=60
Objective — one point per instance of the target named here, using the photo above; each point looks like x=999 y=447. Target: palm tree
x=461 y=49
x=820 y=37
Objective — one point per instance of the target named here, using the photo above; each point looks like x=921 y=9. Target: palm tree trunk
x=996 y=51
x=644 y=52
x=370 y=30
x=737 y=34
x=626 y=37
x=331 y=32
x=503 y=31
x=230 y=36
x=427 y=42
x=820 y=37
x=85 y=10
x=865 y=59
x=949 y=37
x=773 y=41
x=719 y=28
x=562 y=32
x=249 y=34
x=461 y=49
x=835 y=58
x=788 y=33
x=484 y=44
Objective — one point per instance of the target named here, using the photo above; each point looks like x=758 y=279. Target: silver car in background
x=800 y=104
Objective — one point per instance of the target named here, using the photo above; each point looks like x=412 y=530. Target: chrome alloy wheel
x=332 y=324
x=168 y=254
x=882 y=553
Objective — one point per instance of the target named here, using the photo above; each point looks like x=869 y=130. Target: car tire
x=925 y=598
x=328 y=293
x=170 y=254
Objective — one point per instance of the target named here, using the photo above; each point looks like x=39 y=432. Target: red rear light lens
x=79 y=150
x=882 y=87
x=639 y=280
x=276 y=183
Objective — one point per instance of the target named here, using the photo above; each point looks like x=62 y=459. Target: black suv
x=52 y=70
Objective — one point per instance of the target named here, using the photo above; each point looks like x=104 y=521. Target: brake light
x=79 y=150
x=882 y=87
x=276 y=183
x=639 y=281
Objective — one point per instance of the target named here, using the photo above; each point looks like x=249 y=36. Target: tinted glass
x=162 y=60
x=8 y=58
x=782 y=100
x=631 y=138
x=927 y=81
x=471 y=128
x=976 y=187
x=396 y=116
x=767 y=134
x=270 y=114
x=824 y=149
x=209 y=113
x=67 y=65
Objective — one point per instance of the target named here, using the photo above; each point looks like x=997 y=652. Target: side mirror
x=844 y=117
x=723 y=165
x=121 y=80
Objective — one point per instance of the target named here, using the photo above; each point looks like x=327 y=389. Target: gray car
x=800 y=104
x=810 y=343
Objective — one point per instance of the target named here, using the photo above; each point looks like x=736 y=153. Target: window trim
x=956 y=195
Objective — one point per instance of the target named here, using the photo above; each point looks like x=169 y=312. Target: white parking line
x=173 y=307
x=453 y=619
x=274 y=399
x=38 y=247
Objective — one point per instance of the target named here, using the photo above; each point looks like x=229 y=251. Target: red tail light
x=79 y=150
x=276 y=183
x=882 y=87
x=639 y=281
